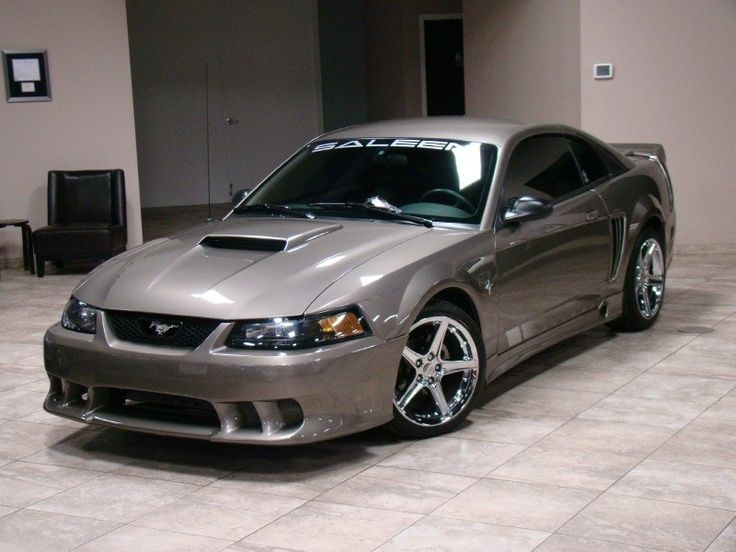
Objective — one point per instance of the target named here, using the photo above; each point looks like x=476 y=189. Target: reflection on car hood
x=254 y=268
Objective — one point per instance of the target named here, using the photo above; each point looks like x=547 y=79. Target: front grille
x=167 y=330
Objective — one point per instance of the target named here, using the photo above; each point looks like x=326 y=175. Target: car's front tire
x=441 y=372
x=645 y=284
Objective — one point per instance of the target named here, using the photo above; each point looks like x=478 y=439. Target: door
x=443 y=78
x=264 y=91
x=553 y=269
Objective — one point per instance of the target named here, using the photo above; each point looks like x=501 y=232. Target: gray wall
x=263 y=65
x=342 y=63
x=89 y=122
x=522 y=59
x=393 y=68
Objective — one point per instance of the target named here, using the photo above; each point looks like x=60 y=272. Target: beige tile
x=707 y=442
x=685 y=364
x=712 y=345
x=9 y=381
x=114 y=497
x=5 y=510
x=641 y=411
x=451 y=535
x=192 y=469
x=19 y=401
x=484 y=426
x=567 y=467
x=724 y=409
x=608 y=359
x=130 y=538
x=677 y=389
x=564 y=543
x=666 y=342
x=621 y=438
x=90 y=449
x=453 y=456
x=302 y=472
x=43 y=417
x=643 y=522
x=519 y=504
x=248 y=547
x=726 y=541
x=24 y=484
x=323 y=527
x=535 y=404
x=583 y=379
x=678 y=482
x=29 y=531
x=398 y=489
x=20 y=439
x=223 y=513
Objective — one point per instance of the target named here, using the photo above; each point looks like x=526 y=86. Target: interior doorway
x=443 y=75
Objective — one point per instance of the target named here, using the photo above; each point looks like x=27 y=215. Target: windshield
x=439 y=180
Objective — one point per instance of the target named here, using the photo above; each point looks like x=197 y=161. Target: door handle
x=591 y=215
x=230 y=121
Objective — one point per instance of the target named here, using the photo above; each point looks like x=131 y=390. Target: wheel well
x=657 y=225
x=461 y=300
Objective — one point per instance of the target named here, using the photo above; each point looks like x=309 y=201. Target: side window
x=543 y=167
x=592 y=166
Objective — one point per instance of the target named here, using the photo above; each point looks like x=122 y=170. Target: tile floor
x=606 y=442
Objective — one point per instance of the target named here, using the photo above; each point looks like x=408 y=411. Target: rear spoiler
x=642 y=150
x=653 y=152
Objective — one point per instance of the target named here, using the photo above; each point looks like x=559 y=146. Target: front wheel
x=441 y=372
x=644 y=286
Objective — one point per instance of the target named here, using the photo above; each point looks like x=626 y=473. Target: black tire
x=634 y=317
x=422 y=415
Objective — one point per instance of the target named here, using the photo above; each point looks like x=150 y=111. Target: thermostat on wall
x=603 y=70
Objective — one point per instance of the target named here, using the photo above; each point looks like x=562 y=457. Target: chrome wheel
x=438 y=373
x=649 y=278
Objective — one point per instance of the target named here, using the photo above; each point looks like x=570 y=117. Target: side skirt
x=516 y=355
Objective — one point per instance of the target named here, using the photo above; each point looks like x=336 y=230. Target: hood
x=240 y=268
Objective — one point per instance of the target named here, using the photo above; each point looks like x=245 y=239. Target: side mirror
x=239 y=196
x=527 y=208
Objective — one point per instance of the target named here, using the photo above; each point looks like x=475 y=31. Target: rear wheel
x=645 y=282
x=440 y=374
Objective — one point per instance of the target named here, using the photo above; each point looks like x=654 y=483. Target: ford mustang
x=382 y=275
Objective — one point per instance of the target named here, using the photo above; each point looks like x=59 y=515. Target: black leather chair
x=86 y=215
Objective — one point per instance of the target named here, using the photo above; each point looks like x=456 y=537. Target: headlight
x=298 y=333
x=79 y=316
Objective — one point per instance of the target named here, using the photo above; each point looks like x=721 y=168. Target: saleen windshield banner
x=389 y=143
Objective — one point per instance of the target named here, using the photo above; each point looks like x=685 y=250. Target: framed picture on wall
x=26 y=75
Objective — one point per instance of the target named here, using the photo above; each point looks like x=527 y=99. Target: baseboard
x=11 y=262
x=705 y=249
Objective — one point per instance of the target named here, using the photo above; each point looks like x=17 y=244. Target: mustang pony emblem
x=162 y=329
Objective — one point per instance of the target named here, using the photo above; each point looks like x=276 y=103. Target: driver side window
x=543 y=167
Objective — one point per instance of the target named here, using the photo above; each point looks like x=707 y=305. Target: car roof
x=499 y=132
x=491 y=131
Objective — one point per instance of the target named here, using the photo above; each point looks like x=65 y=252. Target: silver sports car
x=382 y=275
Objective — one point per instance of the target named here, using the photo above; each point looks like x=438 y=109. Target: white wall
x=675 y=83
x=89 y=122
x=522 y=59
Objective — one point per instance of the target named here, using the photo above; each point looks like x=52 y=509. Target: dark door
x=554 y=269
x=443 y=66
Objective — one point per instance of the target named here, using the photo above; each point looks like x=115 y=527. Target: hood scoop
x=244 y=243
x=266 y=243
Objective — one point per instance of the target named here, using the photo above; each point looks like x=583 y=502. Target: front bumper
x=221 y=394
